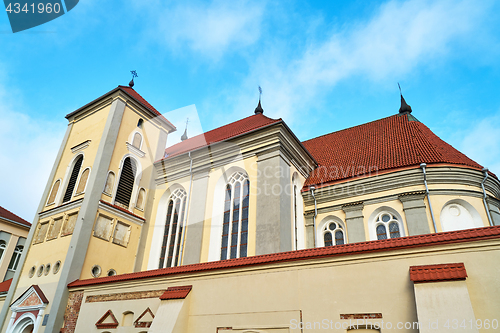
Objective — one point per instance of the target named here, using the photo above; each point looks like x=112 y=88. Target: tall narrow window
x=14 y=261
x=126 y=183
x=137 y=140
x=110 y=182
x=72 y=179
x=83 y=181
x=333 y=234
x=172 y=234
x=141 y=198
x=387 y=226
x=53 y=193
x=235 y=221
x=3 y=245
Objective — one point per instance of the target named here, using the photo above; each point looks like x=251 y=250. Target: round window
x=111 y=272
x=40 y=270
x=95 y=271
x=57 y=267
x=32 y=271
x=47 y=269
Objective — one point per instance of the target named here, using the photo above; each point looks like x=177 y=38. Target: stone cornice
x=62 y=208
x=275 y=137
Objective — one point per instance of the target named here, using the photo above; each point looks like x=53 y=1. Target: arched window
x=141 y=197
x=83 y=181
x=126 y=183
x=72 y=179
x=333 y=234
x=235 y=221
x=110 y=182
x=53 y=193
x=137 y=140
x=459 y=215
x=14 y=261
x=172 y=234
x=3 y=245
x=387 y=226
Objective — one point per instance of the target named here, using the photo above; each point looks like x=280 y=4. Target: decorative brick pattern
x=72 y=311
x=32 y=300
x=361 y=316
x=124 y=296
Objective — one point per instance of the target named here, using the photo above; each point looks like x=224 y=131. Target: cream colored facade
x=117 y=143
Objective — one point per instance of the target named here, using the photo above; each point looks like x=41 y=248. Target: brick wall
x=72 y=311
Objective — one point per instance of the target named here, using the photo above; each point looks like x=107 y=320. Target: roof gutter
x=312 y=188
x=485 y=171
x=16 y=223
x=423 y=165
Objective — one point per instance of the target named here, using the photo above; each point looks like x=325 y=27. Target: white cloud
x=211 y=28
x=397 y=39
x=482 y=143
x=29 y=147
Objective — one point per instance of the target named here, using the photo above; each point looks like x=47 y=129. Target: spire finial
x=259 y=109
x=405 y=108
x=131 y=83
x=185 y=135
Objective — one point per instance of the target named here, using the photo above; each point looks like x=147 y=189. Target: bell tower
x=90 y=219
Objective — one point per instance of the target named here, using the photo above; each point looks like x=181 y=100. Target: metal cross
x=134 y=74
x=260 y=92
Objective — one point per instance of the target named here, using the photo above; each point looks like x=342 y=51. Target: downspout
x=485 y=171
x=181 y=259
x=423 y=165
x=315 y=212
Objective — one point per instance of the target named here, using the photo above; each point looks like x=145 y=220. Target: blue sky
x=323 y=66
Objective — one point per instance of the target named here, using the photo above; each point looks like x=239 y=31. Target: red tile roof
x=435 y=273
x=442 y=238
x=228 y=131
x=176 y=293
x=13 y=217
x=4 y=286
x=390 y=143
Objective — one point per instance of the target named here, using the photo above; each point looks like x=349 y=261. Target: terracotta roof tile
x=390 y=143
x=13 y=217
x=435 y=273
x=228 y=131
x=176 y=293
x=4 y=286
x=442 y=238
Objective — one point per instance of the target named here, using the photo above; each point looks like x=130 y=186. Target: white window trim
x=214 y=251
x=324 y=224
x=372 y=222
x=67 y=176
x=137 y=180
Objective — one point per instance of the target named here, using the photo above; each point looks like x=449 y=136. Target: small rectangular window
x=103 y=227
x=69 y=225
x=55 y=228
x=42 y=231
x=122 y=234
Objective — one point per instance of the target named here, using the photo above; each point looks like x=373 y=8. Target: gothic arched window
x=387 y=226
x=3 y=246
x=235 y=221
x=126 y=183
x=172 y=234
x=72 y=179
x=333 y=234
x=53 y=193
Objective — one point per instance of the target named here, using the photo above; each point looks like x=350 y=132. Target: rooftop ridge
x=7 y=214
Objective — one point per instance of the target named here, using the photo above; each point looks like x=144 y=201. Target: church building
x=245 y=228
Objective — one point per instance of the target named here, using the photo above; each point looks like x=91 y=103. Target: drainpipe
x=315 y=212
x=181 y=259
x=423 y=165
x=485 y=171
